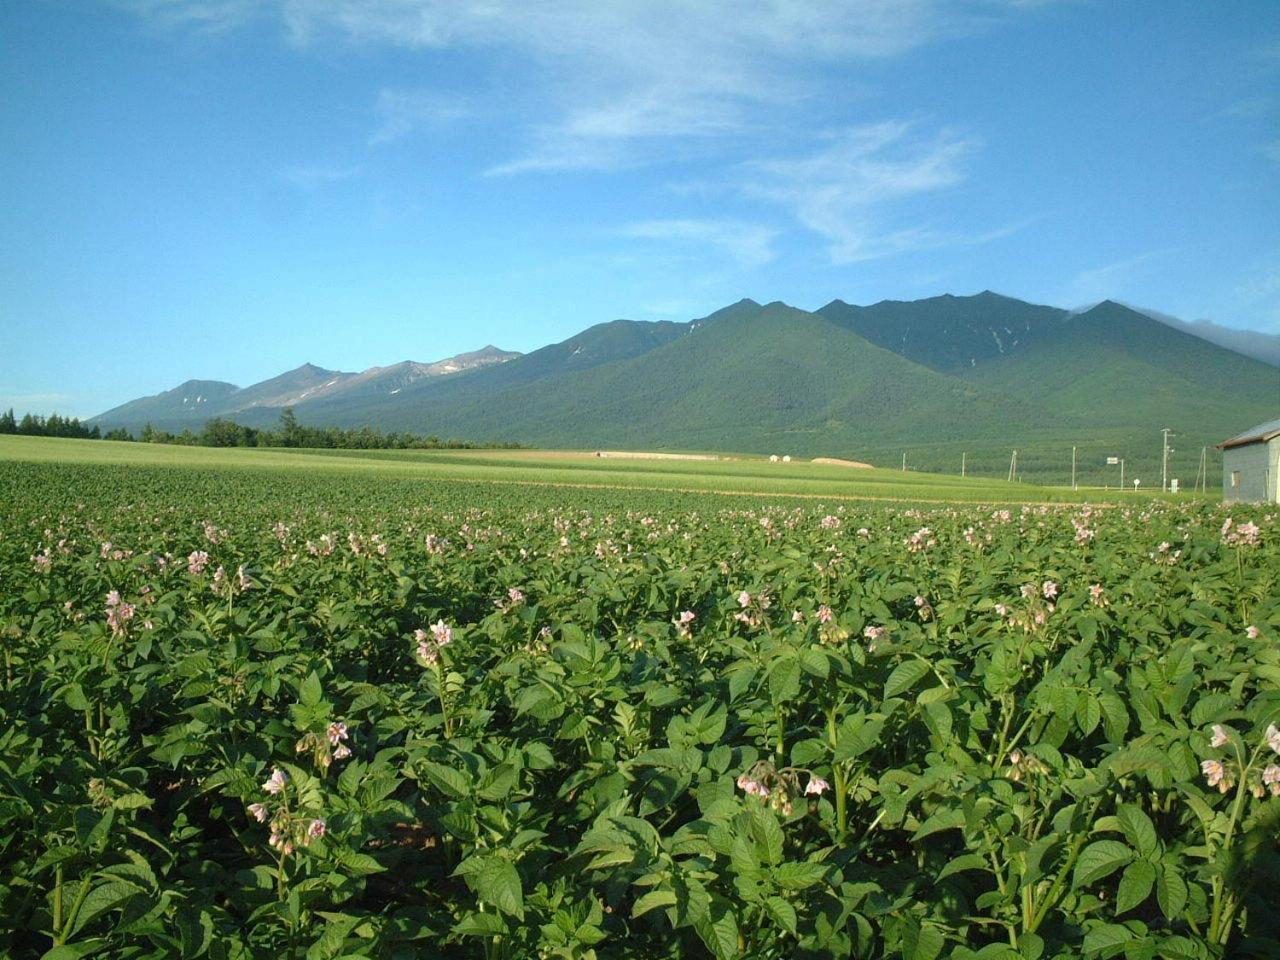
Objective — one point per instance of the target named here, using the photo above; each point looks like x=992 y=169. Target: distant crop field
x=263 y=704
x=734 y=474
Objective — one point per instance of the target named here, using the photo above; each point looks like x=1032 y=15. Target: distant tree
x=7 y=422
x=119 y=433
x=290 y=432
x=221 y=433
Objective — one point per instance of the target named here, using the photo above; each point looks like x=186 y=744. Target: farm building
x=1251 y=465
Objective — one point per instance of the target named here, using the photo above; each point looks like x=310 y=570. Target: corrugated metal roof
x=1259 y=434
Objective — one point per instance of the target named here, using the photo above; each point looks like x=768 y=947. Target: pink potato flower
x=276 y=782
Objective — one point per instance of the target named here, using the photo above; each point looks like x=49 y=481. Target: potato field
x=257 y=714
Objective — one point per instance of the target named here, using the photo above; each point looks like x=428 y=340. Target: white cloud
x=616 y=83
x=402 y=112
x=845 y=190
x=748 y=244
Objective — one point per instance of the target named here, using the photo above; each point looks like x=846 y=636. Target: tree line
x=220 y=432
x=55 y=425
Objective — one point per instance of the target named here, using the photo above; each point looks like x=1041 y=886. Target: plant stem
x=837 y=769
x=75 y=909
x=57 y=904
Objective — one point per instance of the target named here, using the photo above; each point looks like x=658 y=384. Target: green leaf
x=784 y=679
x=73 y=951
x=857 y=736
x=1115 y=717
x=969 y=861
x=767 y=834
x=1109 y=937
x=447 y=780
x=481 y=925
x=1098 y=860
x=1138 y=829
x=943 y=820
x=905 y=676
x=653 y=900
x=101 y=900
x=923 y=942
x=1088 y=712
x=783 y=913
x=309 y=691
x=498 y=882
x=798 y=876
x=1171 y=891
x=814 y=662
x=1135 y=885
x=719 y=930
x=195 y=931
x=1182 y=948
x=73 y=696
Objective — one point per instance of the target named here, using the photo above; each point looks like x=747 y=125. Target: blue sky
x=227 y=188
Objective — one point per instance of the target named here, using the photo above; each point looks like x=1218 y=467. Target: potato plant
x=286 y=715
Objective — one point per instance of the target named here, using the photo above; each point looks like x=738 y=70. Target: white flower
x=816 y=787
x=276 y=782
x=1273 y=738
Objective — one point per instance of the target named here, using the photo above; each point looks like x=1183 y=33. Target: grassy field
x=747 y=475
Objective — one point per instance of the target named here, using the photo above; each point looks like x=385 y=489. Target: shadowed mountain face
x=939 y=377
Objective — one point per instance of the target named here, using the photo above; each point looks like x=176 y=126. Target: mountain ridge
x=938 y=377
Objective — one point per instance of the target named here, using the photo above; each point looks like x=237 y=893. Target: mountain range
x=934 y=379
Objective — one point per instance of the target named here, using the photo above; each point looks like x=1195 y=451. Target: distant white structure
x=786 y=458
x=773 y=458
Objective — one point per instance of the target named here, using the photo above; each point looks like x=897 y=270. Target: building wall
x=1258 y=465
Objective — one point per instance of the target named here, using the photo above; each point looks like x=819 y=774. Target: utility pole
x=1073 y=469
x=1013 y=466
x=904 y=461
x=1164 y=460
x=1204 y=469
x=963 y=456
x=1122 y=474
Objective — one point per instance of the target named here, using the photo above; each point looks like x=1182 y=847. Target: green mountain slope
x=952 y=333
x=762 y=379
x=941 y=380
x=602 y=344
x=191 y=402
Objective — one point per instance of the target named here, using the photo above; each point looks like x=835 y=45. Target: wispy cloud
x=748 y=244
x=618 y=84
x=1258 y=293
x=312 y=177
x=1109 y=279
x=402 y=112
x=210 y=15
x=845 y=189
x=42 y=403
